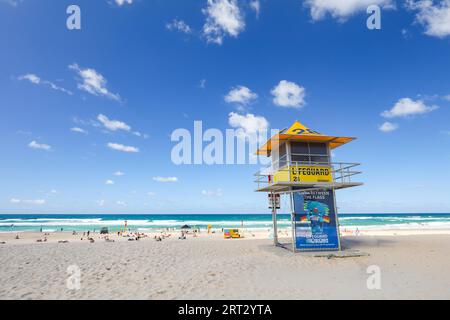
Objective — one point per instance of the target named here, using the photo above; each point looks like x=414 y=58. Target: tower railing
x=342 y=172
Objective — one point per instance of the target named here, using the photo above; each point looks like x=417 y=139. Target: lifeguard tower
x=301 y=167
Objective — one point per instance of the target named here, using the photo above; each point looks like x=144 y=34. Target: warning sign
x=274 y=199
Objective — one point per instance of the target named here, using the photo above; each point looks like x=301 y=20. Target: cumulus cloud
x=223 y=17
x=39 y=146
x=34 y=79
x=112 y=125
x=342 y=9
x=388 y=127
x=241 y=95
x=122 y=148
x=288 y=94
x=165 y=179
x=433 y=15
x=119 y=173
x=33 y=202
x=407 y=107
x=249 y=125
x=109 y=182
x=179 y=25
x=93 y=82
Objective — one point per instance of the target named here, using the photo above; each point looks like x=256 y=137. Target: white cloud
x=33 y=202
x=342 y=9
x=119 y=173
x=241 y=95
x=58 y=88
x=38 y=81
x=39 y=146
x=434 y=17
x=165 y=179
x=122 y=2
x=388 y=127
x=78 y=130
x=212 y=193
x=288 y=94
x=93 y=82
x=31 y=77
x=179 y=25
x=249 y=124
x=122 y=148
x=113 y=125
x=109 y=182
x=407 y=107
x=255 y=5
x=203 y=83
x=223 y=17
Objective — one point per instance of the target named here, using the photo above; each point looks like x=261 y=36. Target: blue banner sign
x=315 y=221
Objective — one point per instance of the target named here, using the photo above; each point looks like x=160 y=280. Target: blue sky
x=79 y=106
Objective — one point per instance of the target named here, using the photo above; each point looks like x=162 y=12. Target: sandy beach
x=413 y=266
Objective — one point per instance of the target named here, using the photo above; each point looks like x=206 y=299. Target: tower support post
x=274 y=219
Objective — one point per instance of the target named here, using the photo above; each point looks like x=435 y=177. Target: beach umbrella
x=185 y=227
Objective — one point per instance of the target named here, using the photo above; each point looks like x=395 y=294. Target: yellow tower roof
x=299 y=132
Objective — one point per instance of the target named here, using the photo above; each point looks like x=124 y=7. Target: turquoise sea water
x=50 y=223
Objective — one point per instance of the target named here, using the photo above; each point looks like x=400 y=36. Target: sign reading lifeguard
x=311 y=174
x=306 y=174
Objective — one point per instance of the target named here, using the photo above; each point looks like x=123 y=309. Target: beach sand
x=210 y=267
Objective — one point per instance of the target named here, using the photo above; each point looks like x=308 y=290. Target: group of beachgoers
x=106 y=235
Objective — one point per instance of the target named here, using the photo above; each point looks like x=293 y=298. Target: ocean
x=56 y=222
